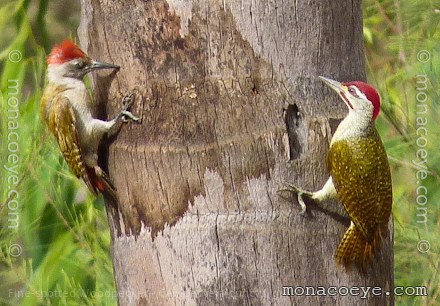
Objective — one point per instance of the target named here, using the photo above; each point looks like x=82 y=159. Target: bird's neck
x=71 y=88
x=354 y=125
x=56 y=75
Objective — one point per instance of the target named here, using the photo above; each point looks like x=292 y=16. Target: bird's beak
x=340 y=88
x=335 y=85
x=94 y=65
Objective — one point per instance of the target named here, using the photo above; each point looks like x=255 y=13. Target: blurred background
x=54 y=239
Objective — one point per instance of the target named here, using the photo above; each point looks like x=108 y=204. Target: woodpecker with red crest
x=360 y=176
x=68 y=111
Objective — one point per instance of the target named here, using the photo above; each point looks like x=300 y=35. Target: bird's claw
x=302 y=204
x=127 y=101
x=300 y=193
x=126 y=115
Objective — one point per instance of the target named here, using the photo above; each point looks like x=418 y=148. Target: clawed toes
x=300 y=193
x=302 y=204
x=127 y=116
x=127 y=101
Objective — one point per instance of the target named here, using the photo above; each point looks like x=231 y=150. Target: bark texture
x=231 y=109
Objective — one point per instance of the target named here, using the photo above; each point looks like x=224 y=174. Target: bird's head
x=68 y=60
x=360 y=97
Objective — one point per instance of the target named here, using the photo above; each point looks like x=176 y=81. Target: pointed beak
x=335 y=85
x=98 y=65
x=340 y=88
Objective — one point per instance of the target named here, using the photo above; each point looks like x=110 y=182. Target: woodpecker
x=68 y=112
x=360 y=176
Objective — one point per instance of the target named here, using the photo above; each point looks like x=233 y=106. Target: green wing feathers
x=62 y=123
x=362 y=179
x=59 y=115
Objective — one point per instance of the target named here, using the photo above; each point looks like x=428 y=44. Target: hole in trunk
x=296 y=131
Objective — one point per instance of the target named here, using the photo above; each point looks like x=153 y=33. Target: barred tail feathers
x=355 y=249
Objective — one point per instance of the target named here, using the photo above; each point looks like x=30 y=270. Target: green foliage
x=402 y=58
x=54 y=237
x=62 y=232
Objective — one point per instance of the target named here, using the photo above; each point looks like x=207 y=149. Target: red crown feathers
x=64 y=52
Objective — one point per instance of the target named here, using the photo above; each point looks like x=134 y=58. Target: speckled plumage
x=361 y=176
x=63 y=124
x=67 y=110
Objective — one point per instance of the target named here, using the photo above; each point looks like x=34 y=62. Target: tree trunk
x=232 y=109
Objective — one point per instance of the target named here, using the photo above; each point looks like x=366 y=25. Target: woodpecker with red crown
x=68 y=111
x=360 y=176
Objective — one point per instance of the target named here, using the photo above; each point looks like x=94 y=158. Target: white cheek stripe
x=360 y=93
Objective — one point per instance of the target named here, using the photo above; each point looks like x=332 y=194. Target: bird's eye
x=80 y=65
x=352 y=91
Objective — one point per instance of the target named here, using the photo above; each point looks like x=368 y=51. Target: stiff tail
x=100 y=182
x=355 y=249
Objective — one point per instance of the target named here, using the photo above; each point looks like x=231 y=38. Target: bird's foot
x=127 y=101
x=125 y=114
x=301 y=193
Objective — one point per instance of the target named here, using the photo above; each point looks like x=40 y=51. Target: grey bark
x=231 y=109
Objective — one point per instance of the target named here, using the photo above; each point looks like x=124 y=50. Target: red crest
x=64 y=52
